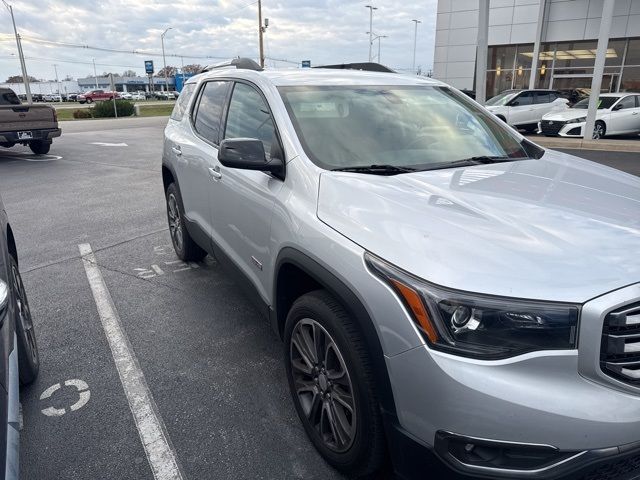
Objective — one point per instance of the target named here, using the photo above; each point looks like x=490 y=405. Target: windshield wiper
x=466 y=162
x=375 y=169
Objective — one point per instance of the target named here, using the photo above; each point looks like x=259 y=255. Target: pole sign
x=306 y=63
x=148 y=67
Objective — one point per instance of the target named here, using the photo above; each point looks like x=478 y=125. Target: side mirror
x=248 y=154
x=514 y=103
x=4 y=296
x=618 y=107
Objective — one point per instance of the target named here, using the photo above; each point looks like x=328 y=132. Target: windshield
x=401 y=126
x=501 y=99
x=603 y=102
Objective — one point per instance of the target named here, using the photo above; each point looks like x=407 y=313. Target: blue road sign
x=148 y=66
x=306 y=63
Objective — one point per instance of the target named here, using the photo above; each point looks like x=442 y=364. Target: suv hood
x=559 y=228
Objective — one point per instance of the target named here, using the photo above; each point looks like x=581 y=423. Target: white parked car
x=525 y=108
x=138 y=96
x=53 y=97
x=125 y=95
x=618 y=113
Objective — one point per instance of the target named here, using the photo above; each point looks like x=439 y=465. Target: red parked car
x=97 y=95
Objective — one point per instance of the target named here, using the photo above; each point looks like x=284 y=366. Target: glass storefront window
x=525 y=56
x=633 y=53
x=576 y=54
x=615 y=52
x=501 y=57
x=630 y=79
x=497 y=83
x=521 y=78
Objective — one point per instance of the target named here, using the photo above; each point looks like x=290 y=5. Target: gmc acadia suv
x=450 y=295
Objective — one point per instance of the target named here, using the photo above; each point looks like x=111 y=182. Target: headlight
x=480 y=326
x=577 y=120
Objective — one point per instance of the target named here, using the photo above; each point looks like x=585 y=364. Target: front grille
x=551 y=127
x=620 y=354
x=626 y=469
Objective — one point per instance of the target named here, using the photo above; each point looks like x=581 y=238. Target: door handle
x=215 y=173
x=177 y=150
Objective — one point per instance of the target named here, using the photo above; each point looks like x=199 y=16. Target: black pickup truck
x=32 y=125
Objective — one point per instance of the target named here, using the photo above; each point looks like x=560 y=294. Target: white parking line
x=160 y=454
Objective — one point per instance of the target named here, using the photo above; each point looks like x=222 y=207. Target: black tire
x=89 y=100
x=185 y=247
x=28 y=357
x=599 y=130
x=40 y=147
x=364 y=455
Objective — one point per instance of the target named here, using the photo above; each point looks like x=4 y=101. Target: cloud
x=323 y=31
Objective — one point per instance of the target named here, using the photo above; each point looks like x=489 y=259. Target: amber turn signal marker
x=417 y=308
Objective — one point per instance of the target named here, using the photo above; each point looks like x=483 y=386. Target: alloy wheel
x=598 y=131
x=24 y=314
x=175 y=222
x=323 y=385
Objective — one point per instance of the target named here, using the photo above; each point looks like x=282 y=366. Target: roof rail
x=365 y=66
x=243 y=63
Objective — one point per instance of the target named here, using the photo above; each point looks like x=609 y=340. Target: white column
x=482 y=52
x=601 y=53
x=536 y=45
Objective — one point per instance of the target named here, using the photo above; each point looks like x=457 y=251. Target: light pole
x=25 y=77
x=95 y=75
x=164 y=60
x=371 y=9
x=55 y=67
x=379 y=37
x=261 y=29
x=415 y=41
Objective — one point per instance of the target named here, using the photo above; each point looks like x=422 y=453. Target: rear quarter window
x=183 y=101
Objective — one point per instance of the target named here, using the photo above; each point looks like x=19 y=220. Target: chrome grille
x=620 y=355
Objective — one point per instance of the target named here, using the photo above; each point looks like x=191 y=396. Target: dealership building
x=563 y=34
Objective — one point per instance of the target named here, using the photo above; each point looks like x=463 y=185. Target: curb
x=580 y=144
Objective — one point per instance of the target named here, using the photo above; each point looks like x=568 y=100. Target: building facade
x=567 y=30
x=127 y=84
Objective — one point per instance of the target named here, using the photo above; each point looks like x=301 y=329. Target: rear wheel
x=599 y=130
x=40 y=147
x=331 y=381
x=185 y=247
x=28 y=357
x=89 y=100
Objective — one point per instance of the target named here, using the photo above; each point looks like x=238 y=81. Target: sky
x=322 y=31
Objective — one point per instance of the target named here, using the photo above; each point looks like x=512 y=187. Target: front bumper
x=559 y=399
x=39 y=134
x=557 y=128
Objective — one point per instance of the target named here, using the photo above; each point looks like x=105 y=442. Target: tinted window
x=627 y=102
x=8 y=97
x=249 y=117
x=182 y=102
x=543 y=97
x=525 y=98
x=207 y=117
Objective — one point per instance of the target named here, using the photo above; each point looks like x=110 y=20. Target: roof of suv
x=319 y=76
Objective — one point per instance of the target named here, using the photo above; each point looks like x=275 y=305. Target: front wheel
x=40 y=147
x=331 y=381
x=185 y=247
x=89 y=100
x=28 y=357
x=599 y=130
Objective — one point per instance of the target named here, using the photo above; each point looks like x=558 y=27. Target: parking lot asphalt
x=211 y=364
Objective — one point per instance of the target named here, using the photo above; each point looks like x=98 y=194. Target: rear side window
x=249 y=117
x=182 y=102
x=543 y=97
x=209 y=111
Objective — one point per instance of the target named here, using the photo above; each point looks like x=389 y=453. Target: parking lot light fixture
x=415 y=41
x=23 y=65
x=164 y=60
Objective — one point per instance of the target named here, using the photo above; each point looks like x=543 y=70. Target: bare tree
x=18 y=79
x=193 y=68
x=171 y=71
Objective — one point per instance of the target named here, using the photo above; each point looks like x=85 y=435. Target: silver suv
x=450 y=295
